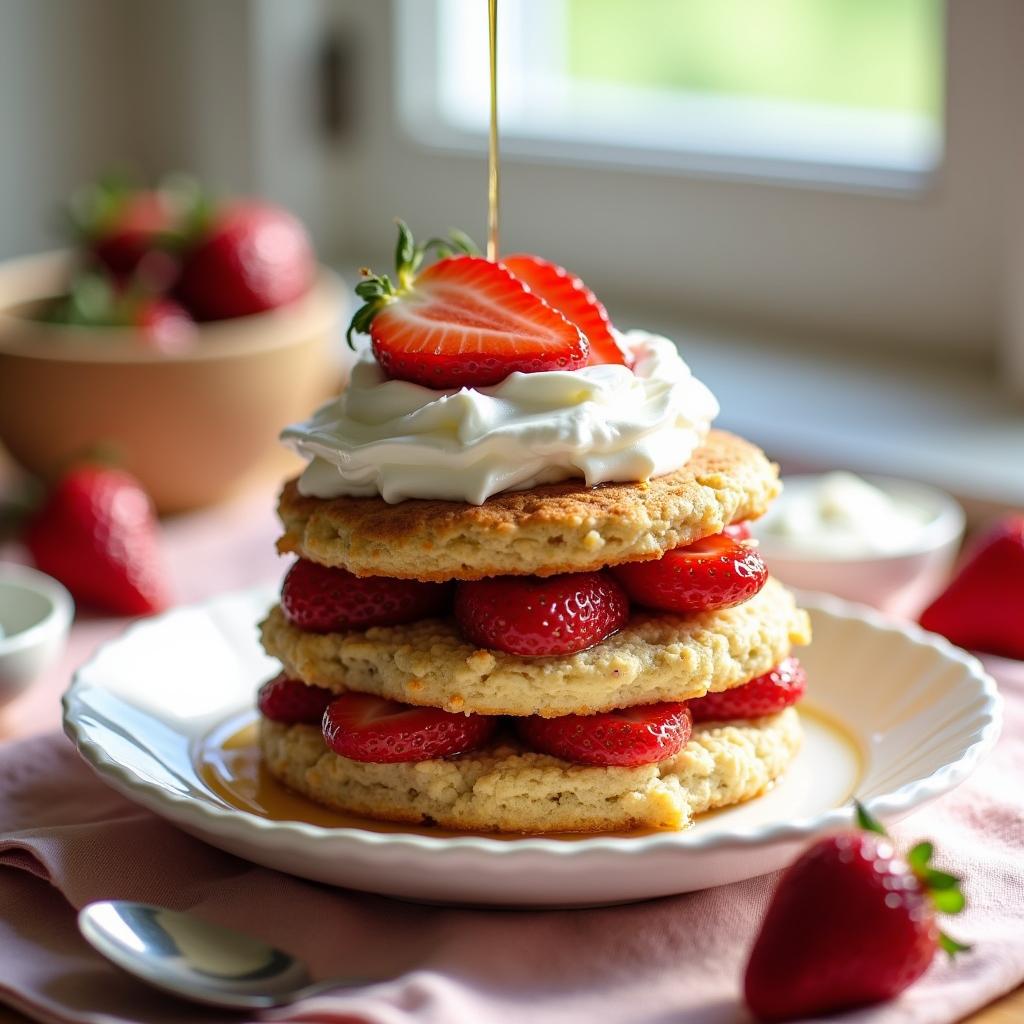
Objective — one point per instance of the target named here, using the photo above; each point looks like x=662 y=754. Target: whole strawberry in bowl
x=245 y=258
x=179 y=332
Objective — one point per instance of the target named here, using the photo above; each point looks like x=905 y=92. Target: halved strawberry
x=319 y=599
x=291 y=701
x=716 y=572
x=367 y=728
x=463 y=322
x=573 y=299
x=625 y=738
x=782 y=686
x=538 y=617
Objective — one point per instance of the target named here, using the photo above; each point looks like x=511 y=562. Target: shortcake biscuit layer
x=566 y=527
x=655 y=657
x=508 y=789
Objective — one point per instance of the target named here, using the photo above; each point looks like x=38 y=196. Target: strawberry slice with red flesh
x=783 y=686
x=293 y=702
x=362 y=727
x=625 y=738
x=466 y=322
x=573 y=299
x=539 y=617
x=982 y=609
x=716 y=572
x=320 y=599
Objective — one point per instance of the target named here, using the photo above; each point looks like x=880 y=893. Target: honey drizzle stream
x=492 y=147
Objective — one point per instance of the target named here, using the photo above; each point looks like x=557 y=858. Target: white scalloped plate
x=916 y=716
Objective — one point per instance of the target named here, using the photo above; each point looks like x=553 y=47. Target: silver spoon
x=188 y=957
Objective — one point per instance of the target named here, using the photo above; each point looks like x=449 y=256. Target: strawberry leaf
x=948 y=901
x=951 y=946
x=866 y=821
x=919 y=856
x=939 y=880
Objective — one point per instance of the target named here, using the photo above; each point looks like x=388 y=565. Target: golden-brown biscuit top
x=564 y=527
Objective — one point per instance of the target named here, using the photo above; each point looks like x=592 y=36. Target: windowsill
x=946 y=422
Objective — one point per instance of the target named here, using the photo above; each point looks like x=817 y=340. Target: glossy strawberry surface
x=625 y=738
x=573 y=299
x=716 y=572
x=780 y=688
x=466 y=322
x=321 y=599
x=367 y=728
x=535 y=616
x=849 y=924
x=97 y=533
x=292 y=702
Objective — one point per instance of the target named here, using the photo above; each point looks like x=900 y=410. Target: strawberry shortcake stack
x=525 y=598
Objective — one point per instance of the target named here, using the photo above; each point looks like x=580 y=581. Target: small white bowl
x=35 y=616
x=900 y=583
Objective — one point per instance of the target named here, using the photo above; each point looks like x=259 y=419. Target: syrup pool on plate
x=228 y=763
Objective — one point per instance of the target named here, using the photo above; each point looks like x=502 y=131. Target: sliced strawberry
x=782 y=686
x=292 y=701
x=366 y=728
x=467 y=322
x=738 y=531
x=626 y=738
x=573 y=299
x=538 y=617
x=983 y=607
x=850 y=924
x=320 y=599
x=97 y=533
x=716 y=572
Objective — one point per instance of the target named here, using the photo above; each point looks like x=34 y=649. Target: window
x=845 y=90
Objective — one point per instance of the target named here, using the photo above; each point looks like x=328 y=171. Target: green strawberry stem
x=942 y=887
x=377 y=290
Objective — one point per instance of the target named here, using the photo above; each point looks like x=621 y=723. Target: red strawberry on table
x=292 y=702
x=320 y=599
x=462 y=322
x=249 y=257
x=783 y=686
x=850 y=923
x=367 y=728
x=625 y=738
x=97 y=534
x=573 y=299
x=535 y=616
x=983 y=607
x=716 y=572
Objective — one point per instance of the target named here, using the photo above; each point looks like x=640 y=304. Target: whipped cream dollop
x=602 y=423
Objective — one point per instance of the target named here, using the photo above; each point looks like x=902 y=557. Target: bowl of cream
x=35 y=616
x=878 y=540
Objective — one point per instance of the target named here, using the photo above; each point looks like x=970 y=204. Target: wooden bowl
x=192 y=427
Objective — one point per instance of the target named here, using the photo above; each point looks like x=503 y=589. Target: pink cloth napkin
x=65 y=840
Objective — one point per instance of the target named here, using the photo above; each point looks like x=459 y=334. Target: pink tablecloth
x=65 y=840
